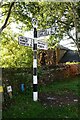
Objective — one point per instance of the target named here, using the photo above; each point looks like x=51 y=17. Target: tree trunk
x=7 y=18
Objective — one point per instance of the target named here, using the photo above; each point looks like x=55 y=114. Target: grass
x=70 y=84
x=24 y=107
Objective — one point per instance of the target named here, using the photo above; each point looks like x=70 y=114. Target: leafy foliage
x=48 y=14
x=12 y=54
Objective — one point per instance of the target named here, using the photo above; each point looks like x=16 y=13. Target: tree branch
x=4 y=5
x=70 y=36
x=7 y=18
x=1 y=2
x=76 y=25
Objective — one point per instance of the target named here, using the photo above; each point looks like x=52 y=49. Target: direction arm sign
x=25 y=41
x=42 y=45
x=46 y=32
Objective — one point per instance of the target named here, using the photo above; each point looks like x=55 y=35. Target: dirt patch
x=54 y=99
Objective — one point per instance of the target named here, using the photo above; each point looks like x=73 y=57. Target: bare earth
x=54 y=99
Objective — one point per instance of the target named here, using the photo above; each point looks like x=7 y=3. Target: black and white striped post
x=35 y=81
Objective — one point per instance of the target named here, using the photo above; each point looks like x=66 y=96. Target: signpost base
x=35 y=96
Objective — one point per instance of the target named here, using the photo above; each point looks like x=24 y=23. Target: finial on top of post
x=34 y=22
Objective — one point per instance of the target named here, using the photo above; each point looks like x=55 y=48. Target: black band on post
x=34 y=87
x=34 y=71
x=35 y=47
x=35 y=55
x=35 y=33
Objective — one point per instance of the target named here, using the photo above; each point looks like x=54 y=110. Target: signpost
x=36 y=44
x=35 y=81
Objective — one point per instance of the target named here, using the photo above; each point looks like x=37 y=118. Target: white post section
x=35 y=81
x=35 y=63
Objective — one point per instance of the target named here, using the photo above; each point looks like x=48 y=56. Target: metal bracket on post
x=35 y=81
